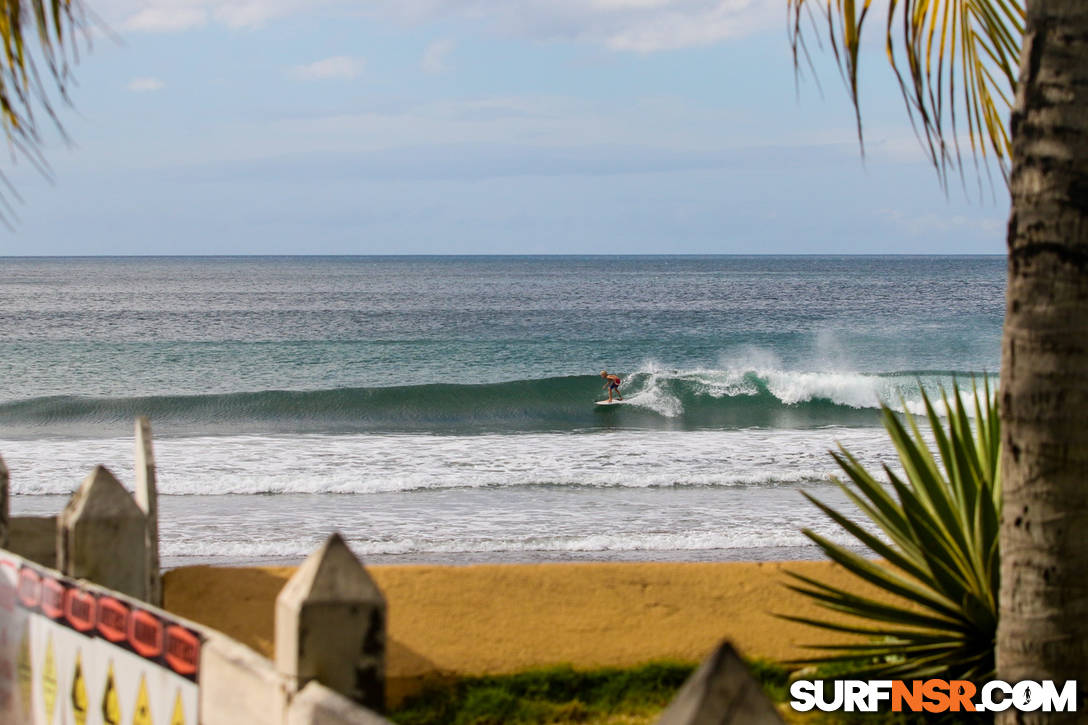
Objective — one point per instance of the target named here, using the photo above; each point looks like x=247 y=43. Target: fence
x=83 y=639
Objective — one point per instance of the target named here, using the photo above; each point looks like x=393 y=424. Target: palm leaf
x=938 y=554
x=955 y=60
x=22 y=91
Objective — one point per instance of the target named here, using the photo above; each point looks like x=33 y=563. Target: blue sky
x=479 y=126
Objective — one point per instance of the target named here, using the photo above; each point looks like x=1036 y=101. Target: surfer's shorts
x=614 y=386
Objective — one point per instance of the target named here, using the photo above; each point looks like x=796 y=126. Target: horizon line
x=387 y=255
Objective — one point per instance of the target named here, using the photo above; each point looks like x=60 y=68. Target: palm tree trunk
x=1043 y=631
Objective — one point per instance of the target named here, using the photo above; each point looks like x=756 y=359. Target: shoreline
x=475 y=619
x=755 y=554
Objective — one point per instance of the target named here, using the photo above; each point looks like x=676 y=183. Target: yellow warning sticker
x=79 y=693
x=49 y=680
x=142 y=714
x=25 y=669
x=111 y=707
x=178 y=718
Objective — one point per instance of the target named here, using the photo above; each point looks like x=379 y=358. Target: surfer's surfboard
x=609 y=402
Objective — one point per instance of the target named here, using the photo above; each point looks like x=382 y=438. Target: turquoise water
x=424 y=404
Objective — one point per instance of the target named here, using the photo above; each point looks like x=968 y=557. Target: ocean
x=441 y=409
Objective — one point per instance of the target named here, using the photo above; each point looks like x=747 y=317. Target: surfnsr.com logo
x=932 y=696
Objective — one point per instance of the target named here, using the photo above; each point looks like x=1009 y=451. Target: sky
x=479 y=127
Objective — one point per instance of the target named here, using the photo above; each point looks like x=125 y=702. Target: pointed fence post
x=721 y=692
x=147 y=498
x=5 y=507
x=330 y=626
x=101 y=536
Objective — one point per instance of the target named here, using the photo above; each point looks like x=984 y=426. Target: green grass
x=612 y=696
x=555 y=695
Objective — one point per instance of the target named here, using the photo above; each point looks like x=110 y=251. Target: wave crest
x=656 y=399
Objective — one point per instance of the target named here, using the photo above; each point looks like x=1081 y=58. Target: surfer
x=612 y=383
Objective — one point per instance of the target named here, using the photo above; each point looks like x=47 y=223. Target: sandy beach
x=492 y=619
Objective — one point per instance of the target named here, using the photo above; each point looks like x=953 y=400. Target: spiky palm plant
x=939 y=558
x=959 y=70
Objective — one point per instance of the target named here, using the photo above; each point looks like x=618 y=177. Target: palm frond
x=955 y=60
x=53 y=24
x=937 y=547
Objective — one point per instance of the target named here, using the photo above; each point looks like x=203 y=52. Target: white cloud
x=251 y=13
x=340 y=67
x=166 y=19
x=436 y=56
x=627 y=25
x=664 y=28
x=624 y=4
x=145 y=85
x=624 y=25
x=163 y=16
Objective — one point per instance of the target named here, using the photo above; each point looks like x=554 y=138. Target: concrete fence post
x=721 y=692
x=5 y=506
x=101 y=536
x=147 y=498
x=330 y=626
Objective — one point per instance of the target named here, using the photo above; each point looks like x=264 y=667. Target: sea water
x=441 y=409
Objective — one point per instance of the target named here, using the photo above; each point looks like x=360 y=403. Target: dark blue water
x=164 y=328
x=405 y=377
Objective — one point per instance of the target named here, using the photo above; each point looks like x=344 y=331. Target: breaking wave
x=655 y=399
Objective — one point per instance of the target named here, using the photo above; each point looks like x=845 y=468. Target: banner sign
x=74 y=655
